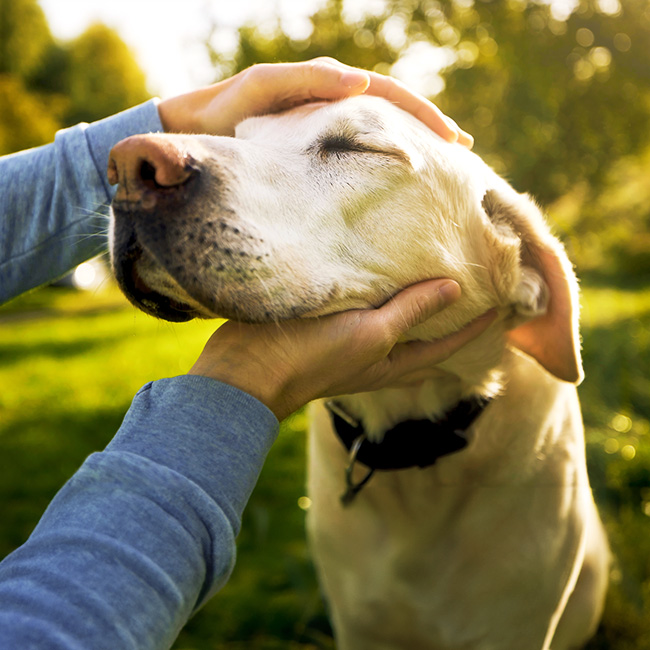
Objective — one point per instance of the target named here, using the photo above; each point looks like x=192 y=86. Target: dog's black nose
x=147 y=167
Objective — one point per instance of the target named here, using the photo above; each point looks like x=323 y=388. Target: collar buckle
x=337 y=409
x=352 y=488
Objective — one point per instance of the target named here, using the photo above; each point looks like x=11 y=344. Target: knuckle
x=424 y=305
x=446 y=350
x=320 y=60
x=419 y=308
x=316 y=67
x=258 y=73
x=322 y=65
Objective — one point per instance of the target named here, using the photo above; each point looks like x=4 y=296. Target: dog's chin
x=166 y=298
x=152 y=301
x=175 y=310
x=167 y=309
x=221 y=291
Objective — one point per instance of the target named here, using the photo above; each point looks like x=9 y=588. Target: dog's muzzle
x=154 y=178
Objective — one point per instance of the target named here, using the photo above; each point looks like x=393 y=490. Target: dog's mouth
x=160 y=298
x=148 y=299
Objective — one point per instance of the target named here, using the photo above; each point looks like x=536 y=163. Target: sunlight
x=170 y=44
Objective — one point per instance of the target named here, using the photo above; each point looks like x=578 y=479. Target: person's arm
x=54 y=200
x=145 y=531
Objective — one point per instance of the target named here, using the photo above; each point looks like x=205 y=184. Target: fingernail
x=449 y=291
x=354 y=79
x=466 y=139
x=453 y=134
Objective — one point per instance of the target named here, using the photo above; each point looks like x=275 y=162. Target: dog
x=454 y=514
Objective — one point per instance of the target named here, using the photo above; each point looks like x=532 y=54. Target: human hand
x=270 y=88
x=287 y=364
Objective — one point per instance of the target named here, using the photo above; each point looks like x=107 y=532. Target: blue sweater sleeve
x=54 y=200
x=144 y=532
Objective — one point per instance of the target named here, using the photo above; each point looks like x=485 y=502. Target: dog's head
x=330 y=207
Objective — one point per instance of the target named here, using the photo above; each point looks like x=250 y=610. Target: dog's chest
x=414 y=556
x=433 y=546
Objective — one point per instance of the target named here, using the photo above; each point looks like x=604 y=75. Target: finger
x=327 y=78
x=414 y=356
x=416 y=304
x=288 y=84
x=465 y=139
x=354 y=79
x=425 y=111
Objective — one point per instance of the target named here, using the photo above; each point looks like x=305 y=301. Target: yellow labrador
x=467 y=520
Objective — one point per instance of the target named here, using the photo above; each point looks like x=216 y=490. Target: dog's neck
x=474 y=371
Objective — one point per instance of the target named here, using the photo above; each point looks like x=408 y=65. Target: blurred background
x=557 y=96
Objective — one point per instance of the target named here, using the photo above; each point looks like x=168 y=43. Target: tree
x=24 y=36
x=24 y=40
x=45 y=84
x=359 y=45
x=24 y=119
x=103 y=76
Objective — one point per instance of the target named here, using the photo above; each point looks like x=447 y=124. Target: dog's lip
x=156 y=303
x=145 y=297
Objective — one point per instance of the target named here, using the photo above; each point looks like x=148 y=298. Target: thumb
x=417 y=303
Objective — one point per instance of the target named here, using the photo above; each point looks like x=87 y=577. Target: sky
x=167 y=36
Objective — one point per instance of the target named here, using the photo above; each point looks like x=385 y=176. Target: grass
x=616 y=408
x=71 y=362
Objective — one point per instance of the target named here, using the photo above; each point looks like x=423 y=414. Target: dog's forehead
x=371 y=122
x=363 y=114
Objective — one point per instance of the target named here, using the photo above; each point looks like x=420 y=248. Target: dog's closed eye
x=340 y=145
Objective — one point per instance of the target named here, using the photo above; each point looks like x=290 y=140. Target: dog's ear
x=545 y=292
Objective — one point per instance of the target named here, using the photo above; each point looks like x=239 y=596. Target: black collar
x=413 y=443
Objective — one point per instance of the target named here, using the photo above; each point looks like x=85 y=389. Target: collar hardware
x=352 y=488
x=338 y=410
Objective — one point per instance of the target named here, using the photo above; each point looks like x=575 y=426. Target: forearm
x=54 y=200
x=144 y=532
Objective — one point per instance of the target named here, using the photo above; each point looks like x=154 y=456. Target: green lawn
x=70 y=363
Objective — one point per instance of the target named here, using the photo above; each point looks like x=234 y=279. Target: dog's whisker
x=401 y=312
x=94 y=212
x=457 y=262
x=473 y=264
x=80 y=238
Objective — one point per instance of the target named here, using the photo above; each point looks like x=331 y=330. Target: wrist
x=183 y=113
x=178 y=114
x=268 y=388
x=198 y=112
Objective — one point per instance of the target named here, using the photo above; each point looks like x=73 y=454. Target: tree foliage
x=46 y=85
x=554 y=101
x=24 y=119
x=102 y=76
x=24 y=37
